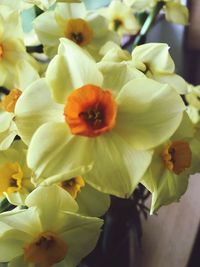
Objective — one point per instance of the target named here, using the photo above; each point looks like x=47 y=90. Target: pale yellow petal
x=144 y=118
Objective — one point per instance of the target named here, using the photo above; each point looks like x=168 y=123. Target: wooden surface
x=169 y=237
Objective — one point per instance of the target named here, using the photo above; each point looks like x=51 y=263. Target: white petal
x=34 y=108
x=92 y=202
x=173 y=80
x=116 y=75
x=51 y=200
x=148 y=113
x=81 y=235
x=71 y=69
x=118 y=167
x=53 y=151
x=23 y=220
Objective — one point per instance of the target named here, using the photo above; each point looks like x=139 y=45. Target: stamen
x=77 y=37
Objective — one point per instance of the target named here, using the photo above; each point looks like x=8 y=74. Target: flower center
x=117 y=23
x=11 y=176
x=9 y=101
x=46 y=250
x=177 y=156
x=90 y=111
x=79 y=31
x=1 y=51
x=73 y=186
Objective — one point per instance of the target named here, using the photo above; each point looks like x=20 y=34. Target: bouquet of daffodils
x=82 y=119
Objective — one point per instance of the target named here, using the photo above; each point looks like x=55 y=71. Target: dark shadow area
x=192 y=75
x=194 y=260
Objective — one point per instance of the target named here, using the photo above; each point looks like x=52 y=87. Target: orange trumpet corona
x=90 y=111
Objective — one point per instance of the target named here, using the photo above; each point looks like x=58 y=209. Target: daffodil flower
x=154 y=60
x=26 y=75
x=176 y=12
x=15 y=176
x=172 y=163
x=90 y=201
x=12 y=49
x=105 y=118
x=48 y=233
x=121 y=18
x=75 y=23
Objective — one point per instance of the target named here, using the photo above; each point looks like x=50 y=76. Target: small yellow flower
x=90 y=201
x=48 y=232
x=172 y=163
x=176 y=12
x=73 y=22
x=79 y=31
x=121 y=18
x=10 y=177
x=154 y=60
x=15 y=176
x=8 y=130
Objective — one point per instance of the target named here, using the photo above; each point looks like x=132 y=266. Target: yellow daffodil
x=104 y=117
x=15 y=176
x=176 y=12
x=121 y=18
x=48 y=233
x=151 y=60
x=46 y=4
x=75 y=23
x=12 y=49
x=154 y=60
x=172 y=163
x=90 y=201
x=8 y=131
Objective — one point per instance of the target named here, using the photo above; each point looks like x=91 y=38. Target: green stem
x=5 y=205
x=147 y=24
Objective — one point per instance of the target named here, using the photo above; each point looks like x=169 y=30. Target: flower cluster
x=84 y=119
